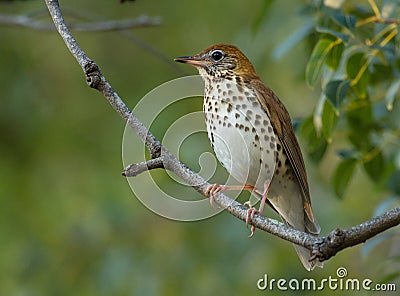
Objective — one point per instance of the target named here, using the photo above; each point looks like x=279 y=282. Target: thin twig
x=139 y=22
x=135 y=169
x=32 y=23
x=323 y=248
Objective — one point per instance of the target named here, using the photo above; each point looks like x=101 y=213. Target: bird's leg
x=252 y=210
x=213 y=189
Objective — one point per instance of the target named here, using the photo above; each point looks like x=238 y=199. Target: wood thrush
x=252 y=136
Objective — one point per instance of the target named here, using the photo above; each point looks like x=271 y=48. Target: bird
x=252 y=135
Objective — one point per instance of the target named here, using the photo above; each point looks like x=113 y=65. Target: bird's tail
x=304 y=253
x=305 y=258
x=300 y=222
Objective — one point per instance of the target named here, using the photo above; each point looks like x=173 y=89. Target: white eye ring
x=217 y=55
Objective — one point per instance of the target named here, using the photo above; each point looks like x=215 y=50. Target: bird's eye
x=217 y=55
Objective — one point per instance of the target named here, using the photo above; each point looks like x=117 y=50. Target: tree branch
x=29 y=22
x=89 y=23
x=135 y=169
x=322 y=248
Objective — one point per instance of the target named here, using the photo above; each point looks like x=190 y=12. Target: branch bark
x=322 y=248
x=29 y=22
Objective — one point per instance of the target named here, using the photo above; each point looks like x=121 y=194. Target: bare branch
x=91 y=24
x=339 y=240
x=323 y=248
x=135 y=169
x=29 y=22
x=139 y=22
x=25 y=21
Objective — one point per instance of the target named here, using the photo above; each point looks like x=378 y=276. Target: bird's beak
x=194 y=61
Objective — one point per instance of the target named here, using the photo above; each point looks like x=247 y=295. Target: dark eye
x=217 y=55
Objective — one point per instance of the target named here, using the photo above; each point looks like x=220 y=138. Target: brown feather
x=280 y=120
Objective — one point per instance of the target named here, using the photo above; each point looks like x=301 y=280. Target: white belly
x=240 y=133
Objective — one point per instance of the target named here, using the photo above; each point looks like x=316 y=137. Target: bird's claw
x=250 y=215
x=253 y=229
x=212 y=190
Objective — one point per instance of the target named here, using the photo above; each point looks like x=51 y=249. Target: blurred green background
x=69 y=223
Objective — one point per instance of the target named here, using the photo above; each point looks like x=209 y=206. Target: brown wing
x=280 y=120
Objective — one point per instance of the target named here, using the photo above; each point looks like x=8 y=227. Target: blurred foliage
x=69 y=223
x=356 y=63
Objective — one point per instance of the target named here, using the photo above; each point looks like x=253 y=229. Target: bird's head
x=221 y=60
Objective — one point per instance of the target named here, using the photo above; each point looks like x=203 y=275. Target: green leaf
x=318 y=58
x=342 y=175
x=345 y=20
x=357 y=70
x=359 y=139
x=360 y=119
x=336 y=91
x=359 y=115
x=342 y=36
x=375 y=167
x=315 y=145
x=329 y=120
x=391 y=94
x=354 y=63
x=335 y=56
x=381 y=73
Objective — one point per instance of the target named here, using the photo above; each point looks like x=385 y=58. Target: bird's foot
x=213 y=189
x=250 y=215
